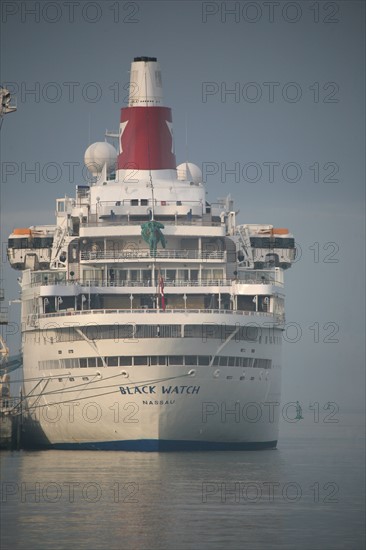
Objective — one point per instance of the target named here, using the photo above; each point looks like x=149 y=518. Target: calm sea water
x=307 y=494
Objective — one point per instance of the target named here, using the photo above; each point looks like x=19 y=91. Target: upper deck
x=142 y=218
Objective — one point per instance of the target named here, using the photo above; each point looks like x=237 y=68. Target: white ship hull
x=173 y=411
x=153 y=407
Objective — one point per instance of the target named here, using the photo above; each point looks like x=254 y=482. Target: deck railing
x=146 y=311
x=165 y=254
x=129 y=221
x=265 y=277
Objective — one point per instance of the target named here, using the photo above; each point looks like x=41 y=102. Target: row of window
x=205 y=331
x=154 y=360
x=268 y=242
x=35 y=242
x=144 y=275
x=145 y=202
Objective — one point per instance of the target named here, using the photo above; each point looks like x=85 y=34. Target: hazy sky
x=274 y=90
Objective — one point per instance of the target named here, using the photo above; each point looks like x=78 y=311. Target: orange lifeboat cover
x=22 y=231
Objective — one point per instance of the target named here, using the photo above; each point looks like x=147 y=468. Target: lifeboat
x=22 y=231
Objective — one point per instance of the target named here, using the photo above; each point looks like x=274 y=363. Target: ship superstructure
x=151 y=319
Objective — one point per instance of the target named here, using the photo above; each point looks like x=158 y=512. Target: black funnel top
x=145 y=59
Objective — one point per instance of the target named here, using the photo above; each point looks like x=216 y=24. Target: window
x=112 y=361
x=170 y=274
x=134 y=274
x=140 y=361
x=191 y=360
x=134 y=202
x=183 y=274
x=194 y=274
x=125 y=361
x=204 y=360
x=160 y=360
x=262 y=364
x=217 y=274
x=176 y=360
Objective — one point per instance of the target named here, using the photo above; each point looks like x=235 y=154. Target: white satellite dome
x=99 y=153
x=188 y=171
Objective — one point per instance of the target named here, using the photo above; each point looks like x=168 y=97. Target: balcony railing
x=263 y=276
x=145 y=253
x=167 y=283
x=93 y=222
x=249 y=276
x=146 y=311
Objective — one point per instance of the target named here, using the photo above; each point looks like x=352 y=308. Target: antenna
x=89 y=129
x=186 y=125
x=186 y=145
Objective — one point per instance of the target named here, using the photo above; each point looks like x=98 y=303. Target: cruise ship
x=151 y=320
